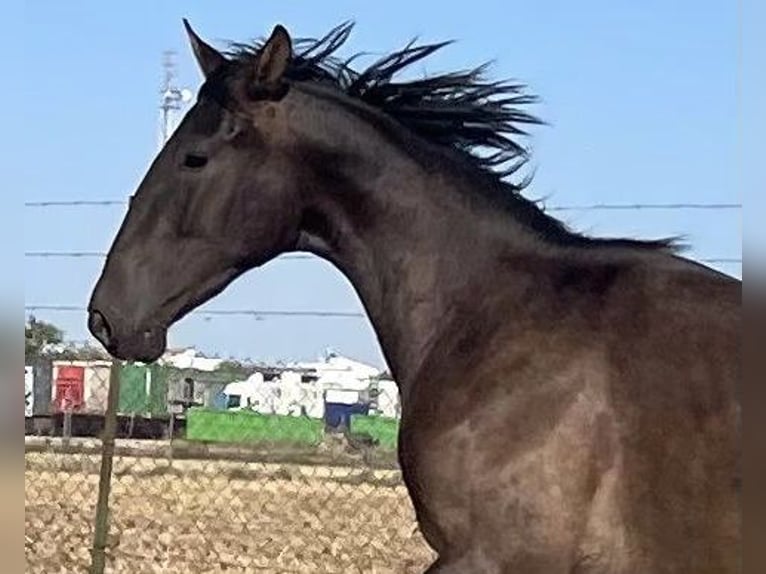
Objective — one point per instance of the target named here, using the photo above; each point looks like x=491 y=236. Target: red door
x=70 y=387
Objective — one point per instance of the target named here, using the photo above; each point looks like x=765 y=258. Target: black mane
x=460 y=110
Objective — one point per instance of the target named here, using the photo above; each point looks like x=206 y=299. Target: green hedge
x=384 y=429
x=249 y=427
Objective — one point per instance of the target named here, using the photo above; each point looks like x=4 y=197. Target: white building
x=303 y=388
x=287 y=394
x=387 y=403
x=189 y=358
x=342 y=379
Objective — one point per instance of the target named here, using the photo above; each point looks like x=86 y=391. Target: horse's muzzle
x=144 y=345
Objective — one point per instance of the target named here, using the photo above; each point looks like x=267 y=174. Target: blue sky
x=640 y=98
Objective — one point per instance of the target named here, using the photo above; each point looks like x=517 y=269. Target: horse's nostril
x=99 y=328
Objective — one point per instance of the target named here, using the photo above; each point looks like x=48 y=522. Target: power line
x=219 y=312
x=99 y=254
x=591 y=207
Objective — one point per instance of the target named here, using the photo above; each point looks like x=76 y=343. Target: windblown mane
x=461 y=110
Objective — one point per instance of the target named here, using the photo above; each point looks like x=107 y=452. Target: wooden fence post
x=98 y=552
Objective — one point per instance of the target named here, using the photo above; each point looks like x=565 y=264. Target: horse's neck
x=413 y=247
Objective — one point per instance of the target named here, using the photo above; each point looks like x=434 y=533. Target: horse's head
x=220 y=198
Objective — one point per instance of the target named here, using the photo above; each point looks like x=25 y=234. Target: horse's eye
x=195 y=161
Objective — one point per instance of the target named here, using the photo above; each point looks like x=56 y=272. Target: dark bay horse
x=569 y=403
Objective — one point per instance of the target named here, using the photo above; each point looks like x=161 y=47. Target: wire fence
x=281 y=471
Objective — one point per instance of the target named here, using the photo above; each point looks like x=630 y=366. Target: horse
x=569 y=403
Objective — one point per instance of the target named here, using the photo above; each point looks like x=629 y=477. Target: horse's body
x=568 y=404
x=584 y=431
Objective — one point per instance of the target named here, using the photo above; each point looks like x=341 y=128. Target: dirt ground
x=199 y=516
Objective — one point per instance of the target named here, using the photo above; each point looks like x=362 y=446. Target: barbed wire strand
x=84 y=254
x=219 y=312
x=101 y=254
x=587 y=207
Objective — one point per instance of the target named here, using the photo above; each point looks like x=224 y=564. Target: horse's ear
x=274 y=56
x=208 y=58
